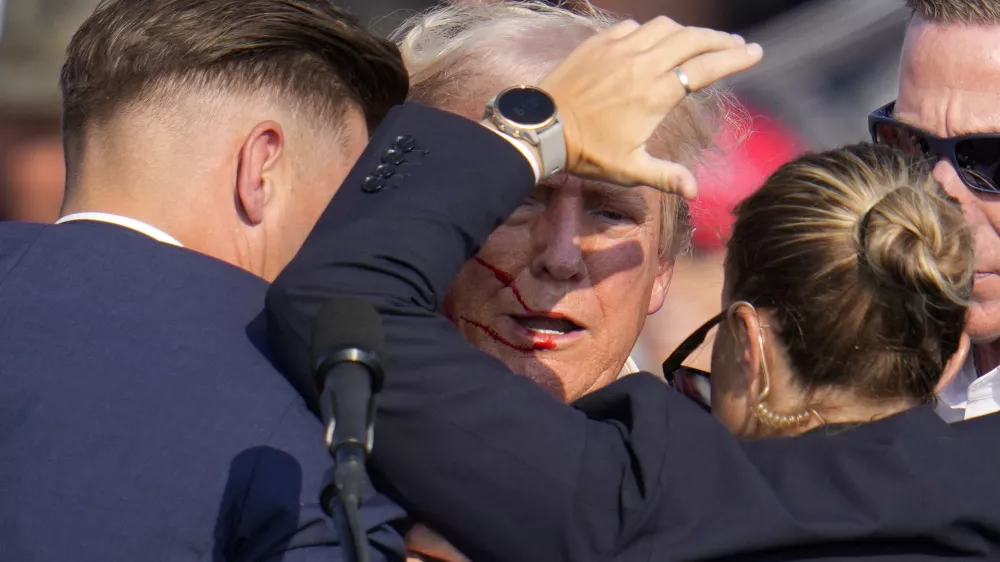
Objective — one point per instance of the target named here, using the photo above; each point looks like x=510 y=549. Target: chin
x=533 y=368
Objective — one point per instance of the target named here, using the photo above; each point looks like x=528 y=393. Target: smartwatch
x=529 y=114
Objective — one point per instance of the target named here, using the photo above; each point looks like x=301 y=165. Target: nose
x=946 y=175
x=555 y=240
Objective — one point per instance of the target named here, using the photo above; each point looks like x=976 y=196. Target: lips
x=986 y=287
x=547 y=325
x=544 y=332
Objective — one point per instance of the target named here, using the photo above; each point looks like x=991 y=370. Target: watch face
x=527 y=107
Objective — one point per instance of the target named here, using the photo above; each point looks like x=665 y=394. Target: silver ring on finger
x=682 y=77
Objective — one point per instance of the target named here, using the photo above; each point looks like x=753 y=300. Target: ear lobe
x=954 y=364
x=258 y=157
x=661 y=283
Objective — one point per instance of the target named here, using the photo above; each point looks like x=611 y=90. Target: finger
x=688 y=43
x=663 y=175
x=619 y=30
x=652 y=33
x=707 y=69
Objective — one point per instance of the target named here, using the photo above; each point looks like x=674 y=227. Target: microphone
x=346 y=348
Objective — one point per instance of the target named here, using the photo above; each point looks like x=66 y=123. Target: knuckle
x=705 y=35
x=662 y=21
x=619 y=48
x=628 y=25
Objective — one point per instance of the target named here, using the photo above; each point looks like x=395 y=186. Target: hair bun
x=909 y=241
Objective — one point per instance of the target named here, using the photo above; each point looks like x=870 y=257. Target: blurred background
x=827 y=64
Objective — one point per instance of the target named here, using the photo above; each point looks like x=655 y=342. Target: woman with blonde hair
x=848 y=277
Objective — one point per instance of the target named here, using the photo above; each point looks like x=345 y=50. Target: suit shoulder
x=16 y=239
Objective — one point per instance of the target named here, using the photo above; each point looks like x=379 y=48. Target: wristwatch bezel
x=516 y=128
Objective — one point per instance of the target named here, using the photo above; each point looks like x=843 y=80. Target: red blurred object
x=749 y=150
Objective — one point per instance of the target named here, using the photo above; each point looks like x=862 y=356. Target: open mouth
x=547 y=326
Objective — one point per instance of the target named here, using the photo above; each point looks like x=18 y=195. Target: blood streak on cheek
x=502 y=276
x=508 y=281
x=543 y=344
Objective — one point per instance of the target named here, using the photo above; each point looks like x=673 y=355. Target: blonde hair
x=866 y=265
x=458 y=55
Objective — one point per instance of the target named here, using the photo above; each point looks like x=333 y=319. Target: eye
x=612 y=215
x=525 y=212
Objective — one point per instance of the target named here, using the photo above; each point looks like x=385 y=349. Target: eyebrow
x=630 y=196
x=959 y=132
x=601 y=191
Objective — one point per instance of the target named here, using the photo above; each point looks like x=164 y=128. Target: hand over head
x=616 y=88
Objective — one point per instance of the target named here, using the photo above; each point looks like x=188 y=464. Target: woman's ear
x=746 y=328
x=954 y=364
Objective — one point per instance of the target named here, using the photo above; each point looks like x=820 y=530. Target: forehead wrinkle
x=946 y=115
x=950 y=78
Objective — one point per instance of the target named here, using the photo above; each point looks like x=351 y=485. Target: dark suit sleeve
x=503 y=470
x=271 y=509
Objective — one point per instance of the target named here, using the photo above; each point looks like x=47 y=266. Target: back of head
x=459 y=55
x=866 y=265
x=306 y=54
x=976 y=12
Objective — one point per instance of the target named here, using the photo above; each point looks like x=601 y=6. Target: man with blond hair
x=948 y=109
x=554 y=248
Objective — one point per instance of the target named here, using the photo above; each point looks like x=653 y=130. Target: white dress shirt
x=630 y=368
x=969 y=396
x=130 y=223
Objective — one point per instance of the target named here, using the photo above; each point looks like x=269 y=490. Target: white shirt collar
x=130 y=223
x=630 y=368
x=969 y=395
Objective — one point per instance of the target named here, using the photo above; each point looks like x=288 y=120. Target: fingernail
x=739 y=38
x=755 y=49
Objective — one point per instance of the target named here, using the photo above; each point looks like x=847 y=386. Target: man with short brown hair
x=141 y=417
x=948 y=108
x=226 y=124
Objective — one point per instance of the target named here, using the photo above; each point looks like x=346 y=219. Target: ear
x=954 y=364
x=664 y=273
x=748 y=332
x=258 y=158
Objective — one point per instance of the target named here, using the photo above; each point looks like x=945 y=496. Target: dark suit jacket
x=631 y=472
x=140 y=417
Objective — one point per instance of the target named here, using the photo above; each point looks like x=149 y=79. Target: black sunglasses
x=976 y=158
x=691 y=382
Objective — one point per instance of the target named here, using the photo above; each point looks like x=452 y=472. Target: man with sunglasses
x=948 y=109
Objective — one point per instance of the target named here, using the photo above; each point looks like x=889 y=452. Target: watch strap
x=552 y=149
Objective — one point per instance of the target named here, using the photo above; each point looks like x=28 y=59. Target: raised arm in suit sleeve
x=503 y=470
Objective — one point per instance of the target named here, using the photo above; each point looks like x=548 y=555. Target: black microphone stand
x=346 y=479
x=348 y=516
